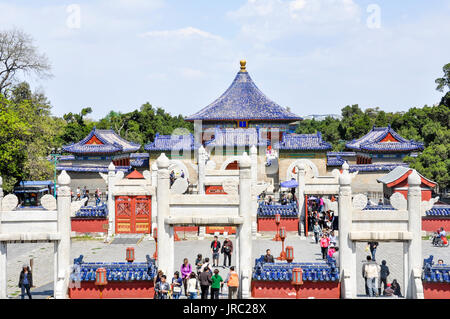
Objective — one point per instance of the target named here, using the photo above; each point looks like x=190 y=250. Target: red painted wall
x=268 y=224
x=132 y=289
x=283 y=290
x=90 y=225
x=431 y=224
x=186 y=229
x=436 y=290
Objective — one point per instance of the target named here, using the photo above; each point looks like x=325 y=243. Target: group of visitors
x=325 y=219
x=203 y=280
x=375 y=275
x=80 y=194
x=173 y=177
x=285 y=198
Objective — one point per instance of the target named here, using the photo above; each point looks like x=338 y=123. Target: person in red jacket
x=324 y=243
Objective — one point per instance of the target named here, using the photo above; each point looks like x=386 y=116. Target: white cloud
x=187 y=32
x=267 y=20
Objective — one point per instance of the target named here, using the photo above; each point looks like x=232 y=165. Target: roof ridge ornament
x=243 y=64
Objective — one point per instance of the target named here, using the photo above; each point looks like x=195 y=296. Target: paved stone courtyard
x=305 y=250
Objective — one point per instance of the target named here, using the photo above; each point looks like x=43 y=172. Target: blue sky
x=315 y=56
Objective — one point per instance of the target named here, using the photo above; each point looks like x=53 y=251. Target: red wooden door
x=133 y=214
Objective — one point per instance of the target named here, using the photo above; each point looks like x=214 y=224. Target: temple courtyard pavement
x=96 y=250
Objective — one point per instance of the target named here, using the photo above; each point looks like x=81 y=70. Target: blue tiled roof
x=439 y=211
x=283 y=271
x=90 y=168
x=112 y=143
x=285 y=211
x=379 y=207
x=341 y=154
x=236 y=137
x=311 y=142
x=100 y=211
x=435 y=272
x=374 y=167
x=335 y=160
x=371 y=142
x=243 y=101
x=172 y=142
x=115 y=271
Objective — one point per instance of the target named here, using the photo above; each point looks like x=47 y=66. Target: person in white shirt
x=192 y=286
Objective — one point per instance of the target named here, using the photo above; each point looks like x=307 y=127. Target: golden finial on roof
x=243 y=63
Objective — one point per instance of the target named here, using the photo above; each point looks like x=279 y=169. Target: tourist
x=384 y=273
x=206 y=264
x=332 y=237
x=388 y=292
x=268 y=258
x=227 y=249
x=182 y=174
x=156 y=281
x=440 y=262
x=198 y=263
x=380 y=202
x=216 y=285
x=321 y=204
x=324 y=243
x=205 y=282
x=317 y=230
x=192 y=286
x=78 y=193
x=331 y=250
x=186 y=270
x=396 y=287
x=162 y=288
x=215 y=248
x=371 y=271
x=97 y=197
x=25 y=281
x=336 y=256
x=373 y=248
x=86 y=195
x=177 y=282
x=232 y=282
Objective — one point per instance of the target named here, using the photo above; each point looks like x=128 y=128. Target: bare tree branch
x=19 y=55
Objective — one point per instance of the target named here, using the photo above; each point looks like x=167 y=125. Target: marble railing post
x=254 y=177
x=64 y=229
x=245 y=230
x=415 y=227
x=111 y=205
x=165 y=231
x=154 y=168
x=300 y=194
x=201 y=170
x=347 y=248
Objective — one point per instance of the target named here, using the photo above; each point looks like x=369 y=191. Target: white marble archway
x=228 y=161
x=177 y=166
x=311 y=169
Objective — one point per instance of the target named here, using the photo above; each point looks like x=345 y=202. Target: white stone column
x=415 y=227
x=201 y=170
x=64 y=229
x=245 y=230
x=3 y=273
x=154 y=169
x=165 y=231
x=347 y=248
x=300 y=194
x=254 y=177
x=111 y=204
x=1 y=199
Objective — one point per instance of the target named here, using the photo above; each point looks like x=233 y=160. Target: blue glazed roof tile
x=172 y=142
x=112 y=143
x=374 y=167
x=243 y=101
x=90 y=168
x=311 y=142
x=371 y=142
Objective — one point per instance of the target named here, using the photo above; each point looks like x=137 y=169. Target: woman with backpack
x=192 y=286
